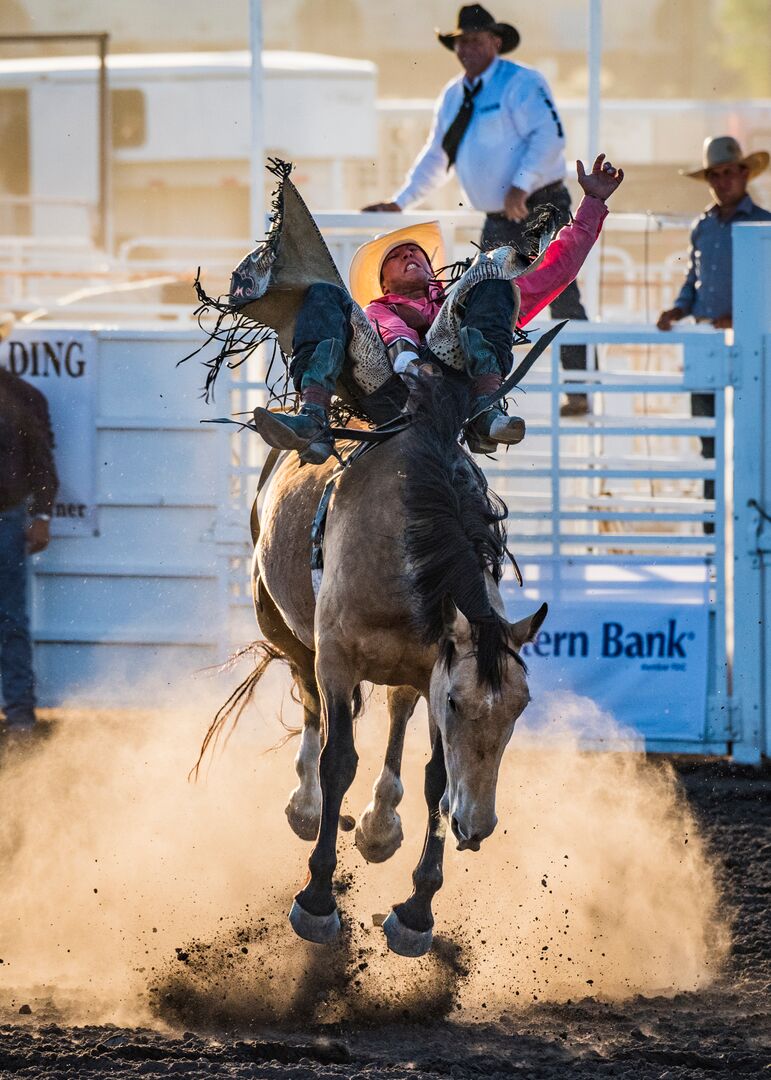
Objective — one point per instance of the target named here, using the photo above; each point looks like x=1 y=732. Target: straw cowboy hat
x=366 y=264
x=725 y=150
x=7 y=323
x=474 y=17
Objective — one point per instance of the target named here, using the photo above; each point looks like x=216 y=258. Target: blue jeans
x=489 y=308
x=18 y=683
x=325 y=317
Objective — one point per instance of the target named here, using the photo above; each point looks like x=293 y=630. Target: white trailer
x=180 y=133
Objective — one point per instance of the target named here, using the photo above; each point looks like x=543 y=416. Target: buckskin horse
x=413 y=552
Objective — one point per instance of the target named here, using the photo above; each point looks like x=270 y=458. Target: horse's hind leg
x=379 y=832
x=409 y=927
x=314 y=913
x=304 y=807
x=303 y=810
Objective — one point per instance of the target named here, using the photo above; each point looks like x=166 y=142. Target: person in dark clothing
x=28 y=485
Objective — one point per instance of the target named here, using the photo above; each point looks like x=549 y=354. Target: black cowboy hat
x=474 y=17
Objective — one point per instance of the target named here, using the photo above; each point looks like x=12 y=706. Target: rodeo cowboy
x=397 y=320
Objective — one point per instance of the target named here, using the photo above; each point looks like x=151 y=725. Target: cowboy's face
x=406 y=267
x=476 y=50
x=728 y=183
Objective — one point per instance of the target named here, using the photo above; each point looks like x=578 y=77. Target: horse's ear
x=449 y=617
x=526 y=629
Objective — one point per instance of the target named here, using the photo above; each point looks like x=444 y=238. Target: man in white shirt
x=497 y=126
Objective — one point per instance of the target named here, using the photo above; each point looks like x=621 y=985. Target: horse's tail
x=263 y=654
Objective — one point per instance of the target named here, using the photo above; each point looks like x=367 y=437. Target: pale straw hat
x=725 y=150
x=364 y=275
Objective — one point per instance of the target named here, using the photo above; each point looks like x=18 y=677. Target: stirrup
x=477 y=444
x=481 y=436
x=313 y=449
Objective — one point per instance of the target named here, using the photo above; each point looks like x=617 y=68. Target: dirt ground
x=423 y=1031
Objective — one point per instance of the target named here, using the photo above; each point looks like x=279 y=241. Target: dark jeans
x=498 y=231
x=15 y=646
x=704 y=405
x=324 y=319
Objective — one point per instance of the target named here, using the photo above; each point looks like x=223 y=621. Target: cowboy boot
x=307 y=432
x=493 y=426
x=317 y=367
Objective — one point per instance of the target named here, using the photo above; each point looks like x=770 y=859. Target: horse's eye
x=450 y=703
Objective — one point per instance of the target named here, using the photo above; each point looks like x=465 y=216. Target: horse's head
x=476 y=717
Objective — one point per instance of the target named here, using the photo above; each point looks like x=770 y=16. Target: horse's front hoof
x=404 y=941
x=321 y=929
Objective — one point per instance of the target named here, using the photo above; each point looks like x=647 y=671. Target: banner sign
x=62 y=365
x=644 y=663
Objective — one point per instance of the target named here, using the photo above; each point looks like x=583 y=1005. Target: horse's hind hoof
x=378 y=850
x=321 y=929
x=404 y=941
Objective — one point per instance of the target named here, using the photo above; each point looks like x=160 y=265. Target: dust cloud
x=133 y=896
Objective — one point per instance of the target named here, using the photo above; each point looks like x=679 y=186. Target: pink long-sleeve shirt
x=560 y=265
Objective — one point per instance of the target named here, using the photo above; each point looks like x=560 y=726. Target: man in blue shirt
x=496 y=125
x=707 y=290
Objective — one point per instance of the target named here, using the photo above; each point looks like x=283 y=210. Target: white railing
x=35 y=274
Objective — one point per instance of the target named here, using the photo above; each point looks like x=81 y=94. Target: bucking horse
x=413 y=553
x=382 y=564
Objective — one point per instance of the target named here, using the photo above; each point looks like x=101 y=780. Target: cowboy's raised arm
x=566 y=254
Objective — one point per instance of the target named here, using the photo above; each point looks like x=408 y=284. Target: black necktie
x=457 y=128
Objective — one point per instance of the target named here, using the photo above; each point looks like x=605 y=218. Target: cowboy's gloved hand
x=426 y=370
x=602 y=181
x=406 y=361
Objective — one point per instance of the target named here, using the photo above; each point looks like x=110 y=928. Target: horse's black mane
x=454 y=527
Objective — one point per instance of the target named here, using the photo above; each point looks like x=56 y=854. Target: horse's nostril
x=472 y=842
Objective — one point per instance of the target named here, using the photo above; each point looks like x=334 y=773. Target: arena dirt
x=613 y=924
